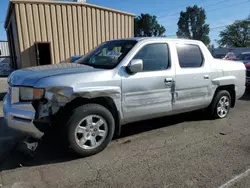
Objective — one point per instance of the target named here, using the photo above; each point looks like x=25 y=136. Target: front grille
x=248 y=73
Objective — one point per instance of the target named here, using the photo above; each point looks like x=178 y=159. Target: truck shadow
x=2 y=96
x=51 y=150
x=246 y=96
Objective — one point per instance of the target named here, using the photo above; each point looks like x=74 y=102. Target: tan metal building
x=47 y=32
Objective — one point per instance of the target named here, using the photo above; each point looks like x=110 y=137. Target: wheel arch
x=231 y=89
x=107 y=102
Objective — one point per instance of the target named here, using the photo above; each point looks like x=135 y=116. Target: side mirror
x=135 y=65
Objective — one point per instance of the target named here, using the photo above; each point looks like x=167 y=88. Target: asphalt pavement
x=187 y=150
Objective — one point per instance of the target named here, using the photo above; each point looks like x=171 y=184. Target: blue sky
x=219 y=12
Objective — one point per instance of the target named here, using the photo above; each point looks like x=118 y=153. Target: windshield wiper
x=99 y=66
x=88 y=64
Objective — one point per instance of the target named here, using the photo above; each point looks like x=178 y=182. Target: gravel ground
x=187 y=150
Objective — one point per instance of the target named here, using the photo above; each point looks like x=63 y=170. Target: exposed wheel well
x=231 y=90
x=107 y=102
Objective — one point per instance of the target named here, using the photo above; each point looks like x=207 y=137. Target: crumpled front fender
x=59 y=96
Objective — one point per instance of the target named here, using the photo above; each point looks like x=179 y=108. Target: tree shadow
x=52 y=150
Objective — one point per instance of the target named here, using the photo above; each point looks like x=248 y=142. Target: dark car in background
x=248 y=75
x=243 y=57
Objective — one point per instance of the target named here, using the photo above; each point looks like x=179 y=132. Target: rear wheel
x=221 y=105
x=90 y=129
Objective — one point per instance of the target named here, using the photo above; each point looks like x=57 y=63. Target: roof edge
x=7 y=17
x=70 y=3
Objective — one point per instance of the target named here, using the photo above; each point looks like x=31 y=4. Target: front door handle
x=168 y=80
x=206 y=77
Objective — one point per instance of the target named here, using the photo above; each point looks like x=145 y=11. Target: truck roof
x=160 y=38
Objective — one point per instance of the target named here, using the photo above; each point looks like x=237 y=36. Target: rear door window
x=189 y=56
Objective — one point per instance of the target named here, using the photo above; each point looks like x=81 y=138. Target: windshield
x=108 y=55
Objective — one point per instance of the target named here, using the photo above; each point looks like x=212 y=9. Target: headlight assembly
x=29 y=94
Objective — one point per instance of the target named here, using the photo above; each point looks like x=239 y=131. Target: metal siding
x=131 y=28
x=60 y=32
x=94 y=28
x=89 y=20
x=70 y=26
x=126 y=25
x=49 y=31
x=4 y=48
x=111 y=27
x=42 y=23
x=71 y=29
x=98 y=32
x=122 y=27
x=37 y=23
x=106 y=26
x=75 y=28
x=65 y=31
x=115 y=25
x=80 y=30
x=25 y=35
x=118 y=26
x=19 y=30
x=31 y=29
x=103 y=25
x=55 y=34
x=85 y=30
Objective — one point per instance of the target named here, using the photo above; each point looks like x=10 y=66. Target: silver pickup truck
x=119 y=82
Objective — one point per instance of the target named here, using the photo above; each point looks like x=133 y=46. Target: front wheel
x=221 y=105
x=90 y=129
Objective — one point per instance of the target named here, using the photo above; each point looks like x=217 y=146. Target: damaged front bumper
x=21 y=117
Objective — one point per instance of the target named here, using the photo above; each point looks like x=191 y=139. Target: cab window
x=155 y=57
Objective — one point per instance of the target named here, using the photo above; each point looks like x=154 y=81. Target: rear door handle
x=206 y=77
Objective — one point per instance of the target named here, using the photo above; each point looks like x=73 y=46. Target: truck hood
x=29 y=76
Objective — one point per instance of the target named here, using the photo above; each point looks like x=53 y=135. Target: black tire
x=213 y=107
x=82 y=112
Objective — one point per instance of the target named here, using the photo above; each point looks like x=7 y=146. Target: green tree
x=236 y=35
x=191 y=25
x=146 y=25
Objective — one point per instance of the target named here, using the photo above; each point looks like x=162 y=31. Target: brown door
x=43 y=54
